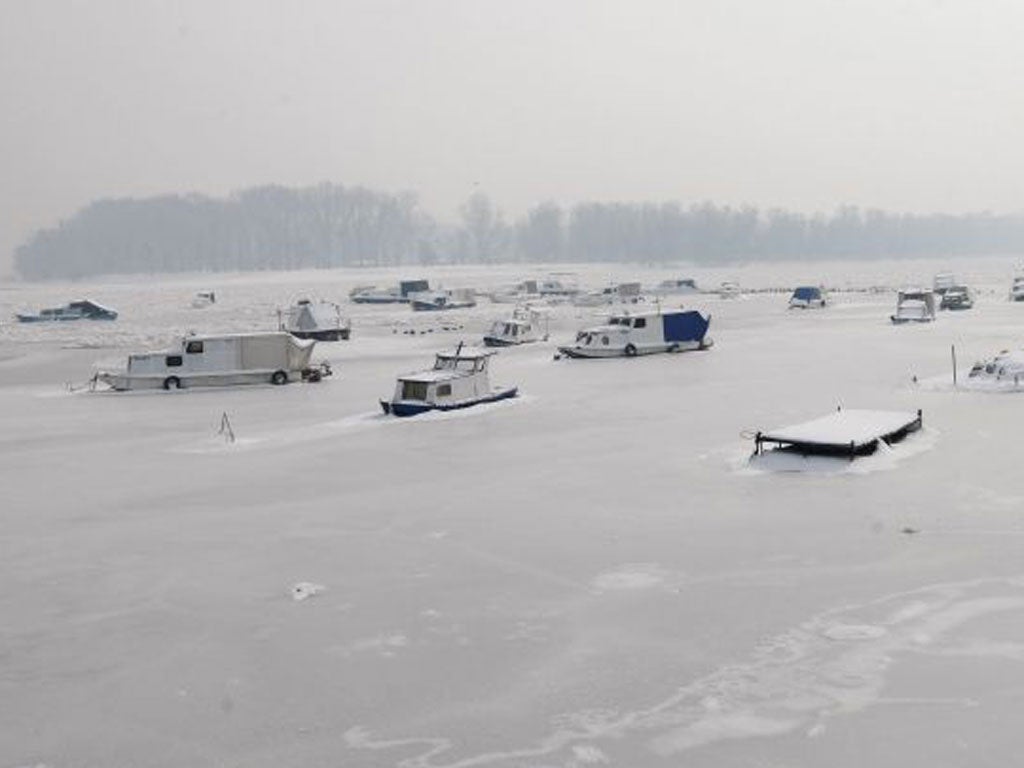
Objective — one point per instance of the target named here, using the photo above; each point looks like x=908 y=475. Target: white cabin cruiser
x=523 y=327
x=459 y=379
x=643 y=333
x=957 y=297
x=551 y=288
x=914 y=305
x=807 y=297
x=319 y=320
x=435 y=301
x=204 y=361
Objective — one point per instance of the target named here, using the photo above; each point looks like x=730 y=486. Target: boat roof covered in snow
x=465 y=353
x=843 y=433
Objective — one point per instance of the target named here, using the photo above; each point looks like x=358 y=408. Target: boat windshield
x=456 y=364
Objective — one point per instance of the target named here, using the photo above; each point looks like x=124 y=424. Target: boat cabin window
x=194 y=348
x=173 y=361
x=604 y=340
x=444 y=390
x=640 y=322
x=617 y=321
x=458 y=364
x=414 y=390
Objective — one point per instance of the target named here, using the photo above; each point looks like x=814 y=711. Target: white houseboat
x=459 y=379
x=319 y=320
x=807 y=297
x=398 y=294
x=437 y=301
x=642 y=333
x=524 y=326
x=527 y=290
x=914 y=305
x=84 y=309
x=204 y=361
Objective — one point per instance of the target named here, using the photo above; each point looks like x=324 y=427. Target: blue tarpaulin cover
x=684 y=326
x=807 y=294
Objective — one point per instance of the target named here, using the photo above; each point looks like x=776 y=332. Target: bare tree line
x=330 y=225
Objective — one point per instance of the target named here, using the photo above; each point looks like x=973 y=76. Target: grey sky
x=808 y=104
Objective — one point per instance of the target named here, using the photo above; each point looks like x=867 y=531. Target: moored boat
x=459 y=379
x=643 y=333
x=523 y=327
x=83 y=309
x=319 y=320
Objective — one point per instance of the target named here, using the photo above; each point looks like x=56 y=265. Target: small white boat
x=957 y=297
x=729 y=290
x=204 y=299
x=398 y=294
x=526 y=325
x=459 y=379
x=807 y=297
x=643 y=333
x=319 y=320
x=1004 y=371
x=227 y=360
x=437 y=301
x=552 y=288
x=914 y=305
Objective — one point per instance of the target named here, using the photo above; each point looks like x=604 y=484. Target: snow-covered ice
x=593 y=574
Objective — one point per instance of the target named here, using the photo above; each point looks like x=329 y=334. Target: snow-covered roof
x=844 y=427
x=465 y=353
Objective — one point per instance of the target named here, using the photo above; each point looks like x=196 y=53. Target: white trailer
x=207 y=361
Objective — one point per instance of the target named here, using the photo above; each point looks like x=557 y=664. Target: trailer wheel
x=279 y=378
x=630 y=350
x=172 y=382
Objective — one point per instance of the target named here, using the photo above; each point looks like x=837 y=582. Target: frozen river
x=588 y=575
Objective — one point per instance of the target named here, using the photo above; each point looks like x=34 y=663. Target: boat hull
x=405 y=408
x=595 y=353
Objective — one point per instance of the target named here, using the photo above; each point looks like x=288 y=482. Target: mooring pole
x=952 y=350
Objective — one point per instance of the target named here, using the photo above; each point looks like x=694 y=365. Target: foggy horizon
x=803 y=105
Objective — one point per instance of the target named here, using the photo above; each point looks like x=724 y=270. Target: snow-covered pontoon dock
x=847 y=433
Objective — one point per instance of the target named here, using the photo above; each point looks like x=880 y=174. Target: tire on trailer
x=630 y=350
x=172 y=382
x=278 y=378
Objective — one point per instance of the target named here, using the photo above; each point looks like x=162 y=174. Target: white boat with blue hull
x=643 y=333
x=459 y=379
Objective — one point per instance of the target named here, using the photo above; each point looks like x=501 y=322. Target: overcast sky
x=901 y=104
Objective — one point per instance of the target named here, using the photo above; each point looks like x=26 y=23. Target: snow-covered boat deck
x=845 y=432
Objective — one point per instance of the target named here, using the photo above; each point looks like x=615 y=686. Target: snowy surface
x=844 y=427
x=583 y=576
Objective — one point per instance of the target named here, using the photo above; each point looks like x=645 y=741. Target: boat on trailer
x=399 y=294
x=523 y=327
x=844 y=433
x=459 y=379
x=642 y=333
